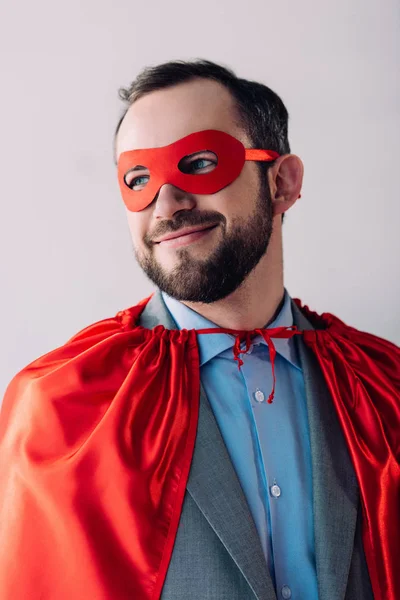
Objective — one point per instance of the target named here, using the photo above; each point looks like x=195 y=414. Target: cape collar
x=212 y=346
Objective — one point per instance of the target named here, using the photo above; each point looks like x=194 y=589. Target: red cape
x=93 y=476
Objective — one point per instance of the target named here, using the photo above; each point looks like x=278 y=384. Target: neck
x=258 y=300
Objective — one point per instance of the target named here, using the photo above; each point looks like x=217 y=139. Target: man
x=147 y=482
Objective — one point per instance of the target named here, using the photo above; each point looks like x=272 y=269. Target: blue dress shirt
x=269 y=444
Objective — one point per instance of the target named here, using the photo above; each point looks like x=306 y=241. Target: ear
x=285 y=179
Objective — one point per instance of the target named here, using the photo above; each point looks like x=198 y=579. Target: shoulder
x=88 y=347
x=363 y=351
x=334 y=325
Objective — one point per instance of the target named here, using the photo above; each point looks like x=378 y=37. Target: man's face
x=215 y=240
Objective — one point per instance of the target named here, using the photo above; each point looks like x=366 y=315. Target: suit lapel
x=335 y=490
x=214 y=485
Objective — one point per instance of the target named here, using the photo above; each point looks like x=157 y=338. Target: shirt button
x=259 y=396
x=286 y=592
x=276 y=492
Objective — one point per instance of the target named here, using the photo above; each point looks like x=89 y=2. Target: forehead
x=164 y=116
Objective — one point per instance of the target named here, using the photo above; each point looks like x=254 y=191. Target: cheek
x=138 y=226
x=238 y=199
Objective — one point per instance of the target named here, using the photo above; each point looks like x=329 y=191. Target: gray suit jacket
x=217 y=553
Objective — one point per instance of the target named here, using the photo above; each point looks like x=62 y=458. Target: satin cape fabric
x=96 y=442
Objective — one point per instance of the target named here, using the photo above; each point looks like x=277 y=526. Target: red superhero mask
x=163 y=166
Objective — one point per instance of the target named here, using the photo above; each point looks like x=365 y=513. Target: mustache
x=184 y=219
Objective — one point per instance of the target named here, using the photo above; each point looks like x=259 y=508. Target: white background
x=66 y=254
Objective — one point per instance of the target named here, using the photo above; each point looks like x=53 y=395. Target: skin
x=164 y=116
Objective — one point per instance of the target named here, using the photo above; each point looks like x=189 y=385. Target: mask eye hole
x=198 y=163
x=137 y=177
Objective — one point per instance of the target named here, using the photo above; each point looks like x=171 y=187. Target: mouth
x=185 y=236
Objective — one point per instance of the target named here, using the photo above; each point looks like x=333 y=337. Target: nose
x=170 y=199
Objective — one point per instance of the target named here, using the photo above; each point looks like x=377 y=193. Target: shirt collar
x=214 y=344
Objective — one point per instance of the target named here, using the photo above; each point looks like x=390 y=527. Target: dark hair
x=262 y=114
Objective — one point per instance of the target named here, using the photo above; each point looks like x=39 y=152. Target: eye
x=136 y=183
x=199 y=163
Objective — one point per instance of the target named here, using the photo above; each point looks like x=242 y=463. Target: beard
x=225 y=269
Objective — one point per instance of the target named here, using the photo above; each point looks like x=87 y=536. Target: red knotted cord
x=267 y=334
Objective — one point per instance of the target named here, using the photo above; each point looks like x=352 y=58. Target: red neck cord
x=267 y=334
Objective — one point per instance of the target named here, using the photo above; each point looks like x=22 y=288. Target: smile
x=184 y=237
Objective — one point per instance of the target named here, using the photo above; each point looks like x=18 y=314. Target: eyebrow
x=137 y=168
